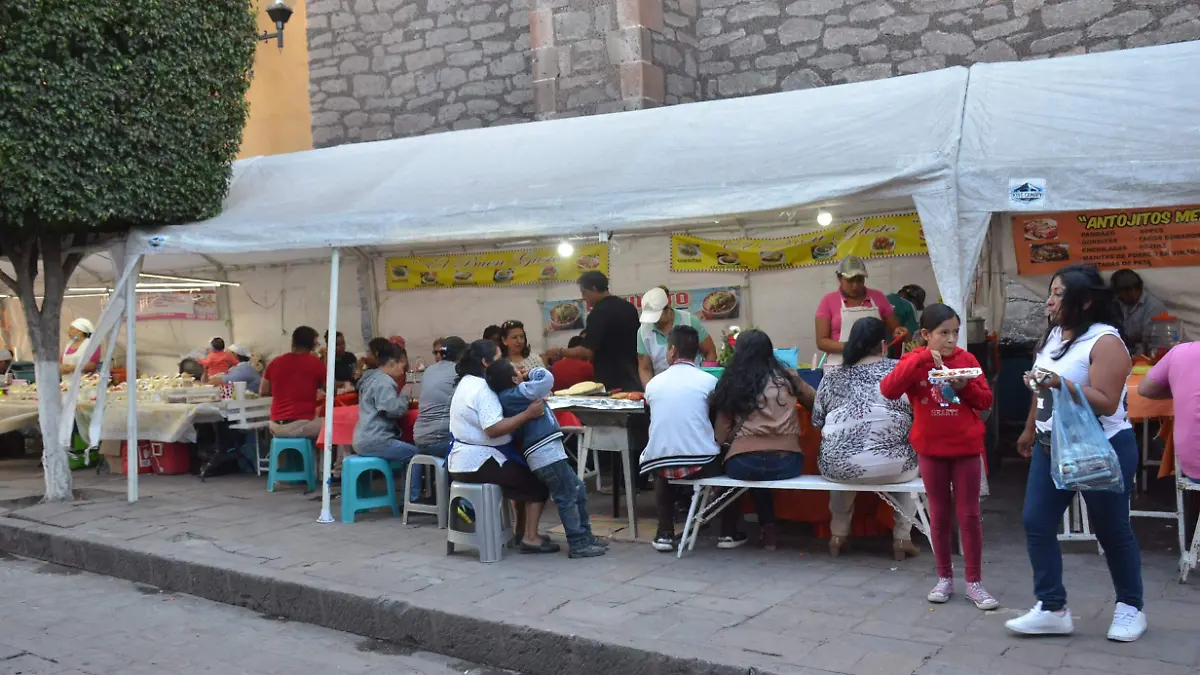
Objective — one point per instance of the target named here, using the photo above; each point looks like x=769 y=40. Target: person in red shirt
x=570 y=372
x=292 y=380
x=948 y=437
x=219 y=361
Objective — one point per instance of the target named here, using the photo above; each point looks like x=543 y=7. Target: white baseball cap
x=653 y=303
x=83 y=326
x=239 y=350
x=5 y=355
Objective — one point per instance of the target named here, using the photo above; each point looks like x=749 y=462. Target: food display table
x=163 y=422
x=16 y=415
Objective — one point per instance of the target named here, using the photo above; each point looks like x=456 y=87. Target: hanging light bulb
x=565 y=249
x=824 y=218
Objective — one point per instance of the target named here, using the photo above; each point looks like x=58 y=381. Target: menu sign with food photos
x=890 y=235
x=497 y=268
x=706 y=304
x=1125 y=238
x=562 y=315
x=177 y=305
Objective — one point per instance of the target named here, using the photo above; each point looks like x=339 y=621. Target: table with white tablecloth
x=163 y=422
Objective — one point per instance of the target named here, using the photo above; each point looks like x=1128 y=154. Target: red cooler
x=143 y=459
x=156 y=457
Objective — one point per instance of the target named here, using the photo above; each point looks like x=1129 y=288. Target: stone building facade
x=392 y=68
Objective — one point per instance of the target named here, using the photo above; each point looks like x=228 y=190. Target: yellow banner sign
x=896 y=234
x=499 y=268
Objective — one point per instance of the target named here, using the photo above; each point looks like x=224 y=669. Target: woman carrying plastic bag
x=1082 y=355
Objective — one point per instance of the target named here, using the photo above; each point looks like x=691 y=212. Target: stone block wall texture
x=762 y=46
x=392 y=68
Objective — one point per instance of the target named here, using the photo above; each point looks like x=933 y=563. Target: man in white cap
x=218 y=362
x=244 y=370
x=658 y=318
x=72 y=358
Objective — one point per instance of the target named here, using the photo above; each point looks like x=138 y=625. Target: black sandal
x=545 y=547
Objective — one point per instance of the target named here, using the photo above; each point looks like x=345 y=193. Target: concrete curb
x=497 y=644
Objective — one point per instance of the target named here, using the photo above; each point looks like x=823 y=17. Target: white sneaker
x=1128 y=623
x=942 y=591
x=663 y=543
x=1040 y=622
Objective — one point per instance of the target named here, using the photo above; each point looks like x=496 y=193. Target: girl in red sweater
x=948 y=437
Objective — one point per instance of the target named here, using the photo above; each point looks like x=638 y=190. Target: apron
x=850 y=316
x=73 y=357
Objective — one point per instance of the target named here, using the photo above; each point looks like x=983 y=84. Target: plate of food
x=946 y=374
x=502 y=275
x=771 y=257
x=1039 y=229
x=464 y=277
x=549 y=272
x=824 y=251
x=728 y=259
x=1045 y=253
x=588 y=262
x=688 y=251
x=400 y=273
x=883 y=244
x=720 y=304
x=429 y=278
x=564 y=316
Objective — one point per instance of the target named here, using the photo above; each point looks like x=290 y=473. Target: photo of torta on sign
x=894 y=234
x=495 y=268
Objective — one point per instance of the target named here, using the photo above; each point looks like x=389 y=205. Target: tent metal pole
x=330 y=390
x=132 y=456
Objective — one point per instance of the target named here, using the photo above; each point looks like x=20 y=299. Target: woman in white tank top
x=1084 y=348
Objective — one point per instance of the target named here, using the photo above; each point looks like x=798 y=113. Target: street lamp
x=279 y=13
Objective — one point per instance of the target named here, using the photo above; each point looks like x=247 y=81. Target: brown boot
x=836 y=544
x=903 y=549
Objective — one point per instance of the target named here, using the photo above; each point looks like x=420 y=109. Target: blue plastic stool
x=308 y=472
x=356 y=486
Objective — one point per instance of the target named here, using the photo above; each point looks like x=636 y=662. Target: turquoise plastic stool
x=356 y=486
x=308 y=472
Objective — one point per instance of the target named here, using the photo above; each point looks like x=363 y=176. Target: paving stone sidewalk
x=791 y=611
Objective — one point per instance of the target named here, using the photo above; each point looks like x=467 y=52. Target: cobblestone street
x=635 y=611
x=59 y=621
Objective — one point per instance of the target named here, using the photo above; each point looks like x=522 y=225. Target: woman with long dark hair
x=864 y=436
x=1083 y=348
x=515 y=344
x=482 y=450
x=755 y=405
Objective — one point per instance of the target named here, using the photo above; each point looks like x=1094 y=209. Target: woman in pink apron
x=841 y=309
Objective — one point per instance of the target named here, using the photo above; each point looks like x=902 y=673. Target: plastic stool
x=441 y=489
x=356 y=486
x=493 y=524
x=307 y=474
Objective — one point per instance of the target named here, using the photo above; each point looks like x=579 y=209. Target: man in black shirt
x=611 y=338
x=610 y=343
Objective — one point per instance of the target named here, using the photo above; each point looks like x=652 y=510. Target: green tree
x=114 y=114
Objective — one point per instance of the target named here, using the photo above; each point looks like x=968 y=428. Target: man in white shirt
x=682 y=444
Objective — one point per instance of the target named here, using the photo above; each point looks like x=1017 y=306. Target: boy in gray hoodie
x=381 y=405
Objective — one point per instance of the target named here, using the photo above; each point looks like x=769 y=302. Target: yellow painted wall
x=280 y=117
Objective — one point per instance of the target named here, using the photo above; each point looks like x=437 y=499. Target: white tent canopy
x=640 y=171
x=1101 y=131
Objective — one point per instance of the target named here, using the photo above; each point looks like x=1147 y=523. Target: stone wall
x=392 y=68
x=762 y=46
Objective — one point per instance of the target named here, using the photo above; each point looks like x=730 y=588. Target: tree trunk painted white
x=58 y=262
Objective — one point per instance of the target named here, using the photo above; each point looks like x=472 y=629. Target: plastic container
x=143 y=458
x=1166 y=331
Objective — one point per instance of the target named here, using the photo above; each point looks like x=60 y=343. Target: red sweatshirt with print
x=940 y=431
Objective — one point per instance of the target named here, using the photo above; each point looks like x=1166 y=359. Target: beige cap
x=851 y=267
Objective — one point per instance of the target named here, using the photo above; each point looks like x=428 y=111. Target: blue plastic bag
x=1081 y=458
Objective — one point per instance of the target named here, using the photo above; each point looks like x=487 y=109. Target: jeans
x=758 y=466
x=570 y=495
x=1109 y=516
x=399 y=454
x=441 y=449
x=952 y=486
